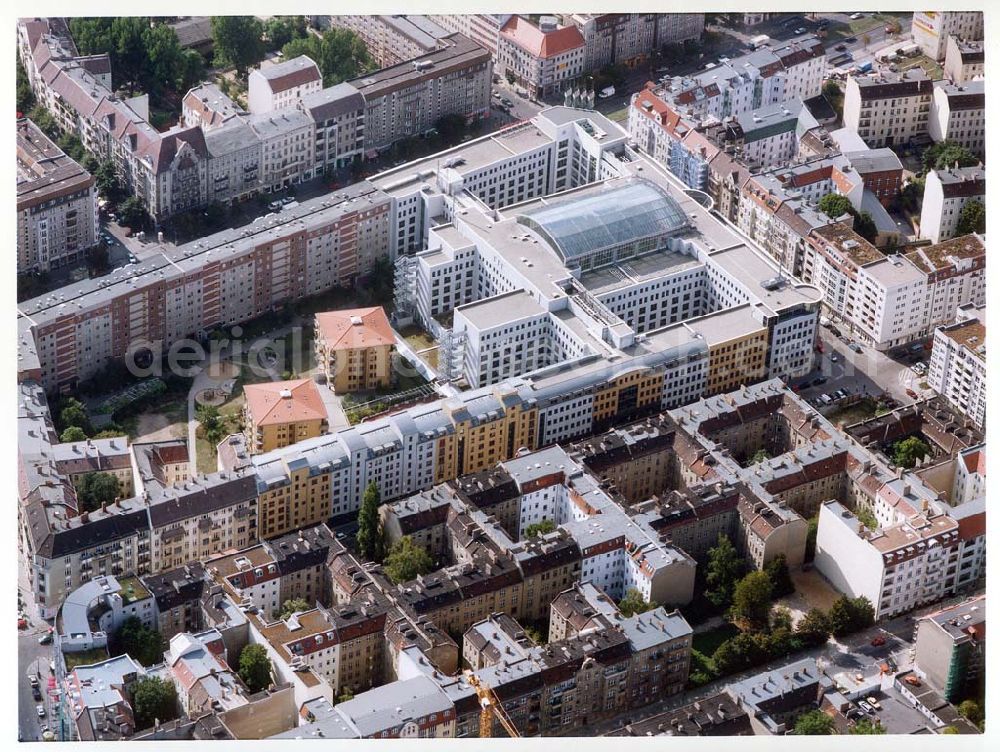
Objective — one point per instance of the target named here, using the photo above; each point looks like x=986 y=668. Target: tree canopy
x=370 y=538
x=814 y=627
x=633 y=603
x=72 y=433
x=781 y=579
x=835 y=205
x=153 y=699
x=725 y=567
x=813 y=723
x=866 y=726
x=238 y=42
x=406 y=560
x=908 y=451
x=143 y=644
x=94 y=489
x=539 y=528
x=255 y=668
x=293 y=605
x=972 y=218
x=752 y=602
x=339 y=53
x=945 y=154
x=849 y=615
x=280 y=30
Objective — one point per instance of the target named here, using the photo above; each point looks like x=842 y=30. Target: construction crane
x=490 y=708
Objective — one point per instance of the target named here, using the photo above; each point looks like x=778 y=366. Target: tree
x=867 y=726
x=865 y=226
x=813 y=723
x=740 y=652
x=811 y=530
x=72 y=433
x=972 y=711
x=451 y=127
x=238 y=42
x=370 y=537
x=759 y=456
x=347 y=694
x=339 y=53
x=291 y=606
x=73 y=413
x=950 y=730
x=132 y=213
x=866 y=517
x=908 y=451
x=725 y=567
x=164 y=56
x=831 y=90
x=539 y=528
x=141 y=643
x=511 y=78
x=835 y=205
x=25 y=96
x=153 y=699
x=781 y=620
x=945 y=154
x=849 y=615
x=752 y=602
x=633 y=603
x=212 y=423
x=108 y=183
x=406 y=560
x=280 y=30
x=971 y=219
x=94 y=489
x=781 y=580
x=255 y=668
x=814 y=627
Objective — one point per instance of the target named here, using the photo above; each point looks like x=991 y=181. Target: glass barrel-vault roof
x=581 y=225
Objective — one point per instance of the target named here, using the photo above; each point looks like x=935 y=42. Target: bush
x=813 y=723
x=539 y=528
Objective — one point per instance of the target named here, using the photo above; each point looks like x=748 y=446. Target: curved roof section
x=578 y=226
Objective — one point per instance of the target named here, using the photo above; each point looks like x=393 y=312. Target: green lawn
x=86 y=658
x=708 y=642
x=856 y=413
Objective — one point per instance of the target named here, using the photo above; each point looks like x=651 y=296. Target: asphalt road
x=32 y=658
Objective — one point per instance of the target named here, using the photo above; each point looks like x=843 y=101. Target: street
x=32 y=660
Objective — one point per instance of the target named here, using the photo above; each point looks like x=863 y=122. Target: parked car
x=36 y=693
x=850 y=40
x=33 y=680
x=913 y=394
x=840 y=394
x=857 y=16
x=287 y=200
x=834 y=357
x=866 y=707
x=856 y=347
x=22 y=623
x=40 y=709
x=45 y=639
x=879 y=641
x=801 y=30
x=874 y=703
x=840 y=47
x=819 y=380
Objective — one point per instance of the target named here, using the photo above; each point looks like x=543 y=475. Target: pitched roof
x=282 y=402
x=355 y=328
x=291 y=73
x=541 y=44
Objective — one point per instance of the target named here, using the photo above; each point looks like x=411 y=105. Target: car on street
x=874 y=703
x=834 y=331
x=912 y=394
x=22 y=623
x=840 y=394
x=40 y=709
x=33 y=680
x=857 y=16
x=840 y=47
x=878 y=641
x=36 y=693
x=287 y=200
x=851 y=40
x=866 y=707
x=856 y=347
x=45 y=639
x=801 y=30
x=819 y=380
x=834 y=357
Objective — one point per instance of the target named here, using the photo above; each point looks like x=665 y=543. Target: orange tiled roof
x=267 y=406
x=355 y=328
x=543 y=45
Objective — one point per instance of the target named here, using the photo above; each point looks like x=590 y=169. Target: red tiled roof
x=541 y=44
x=268 y=406
x=355 y=328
